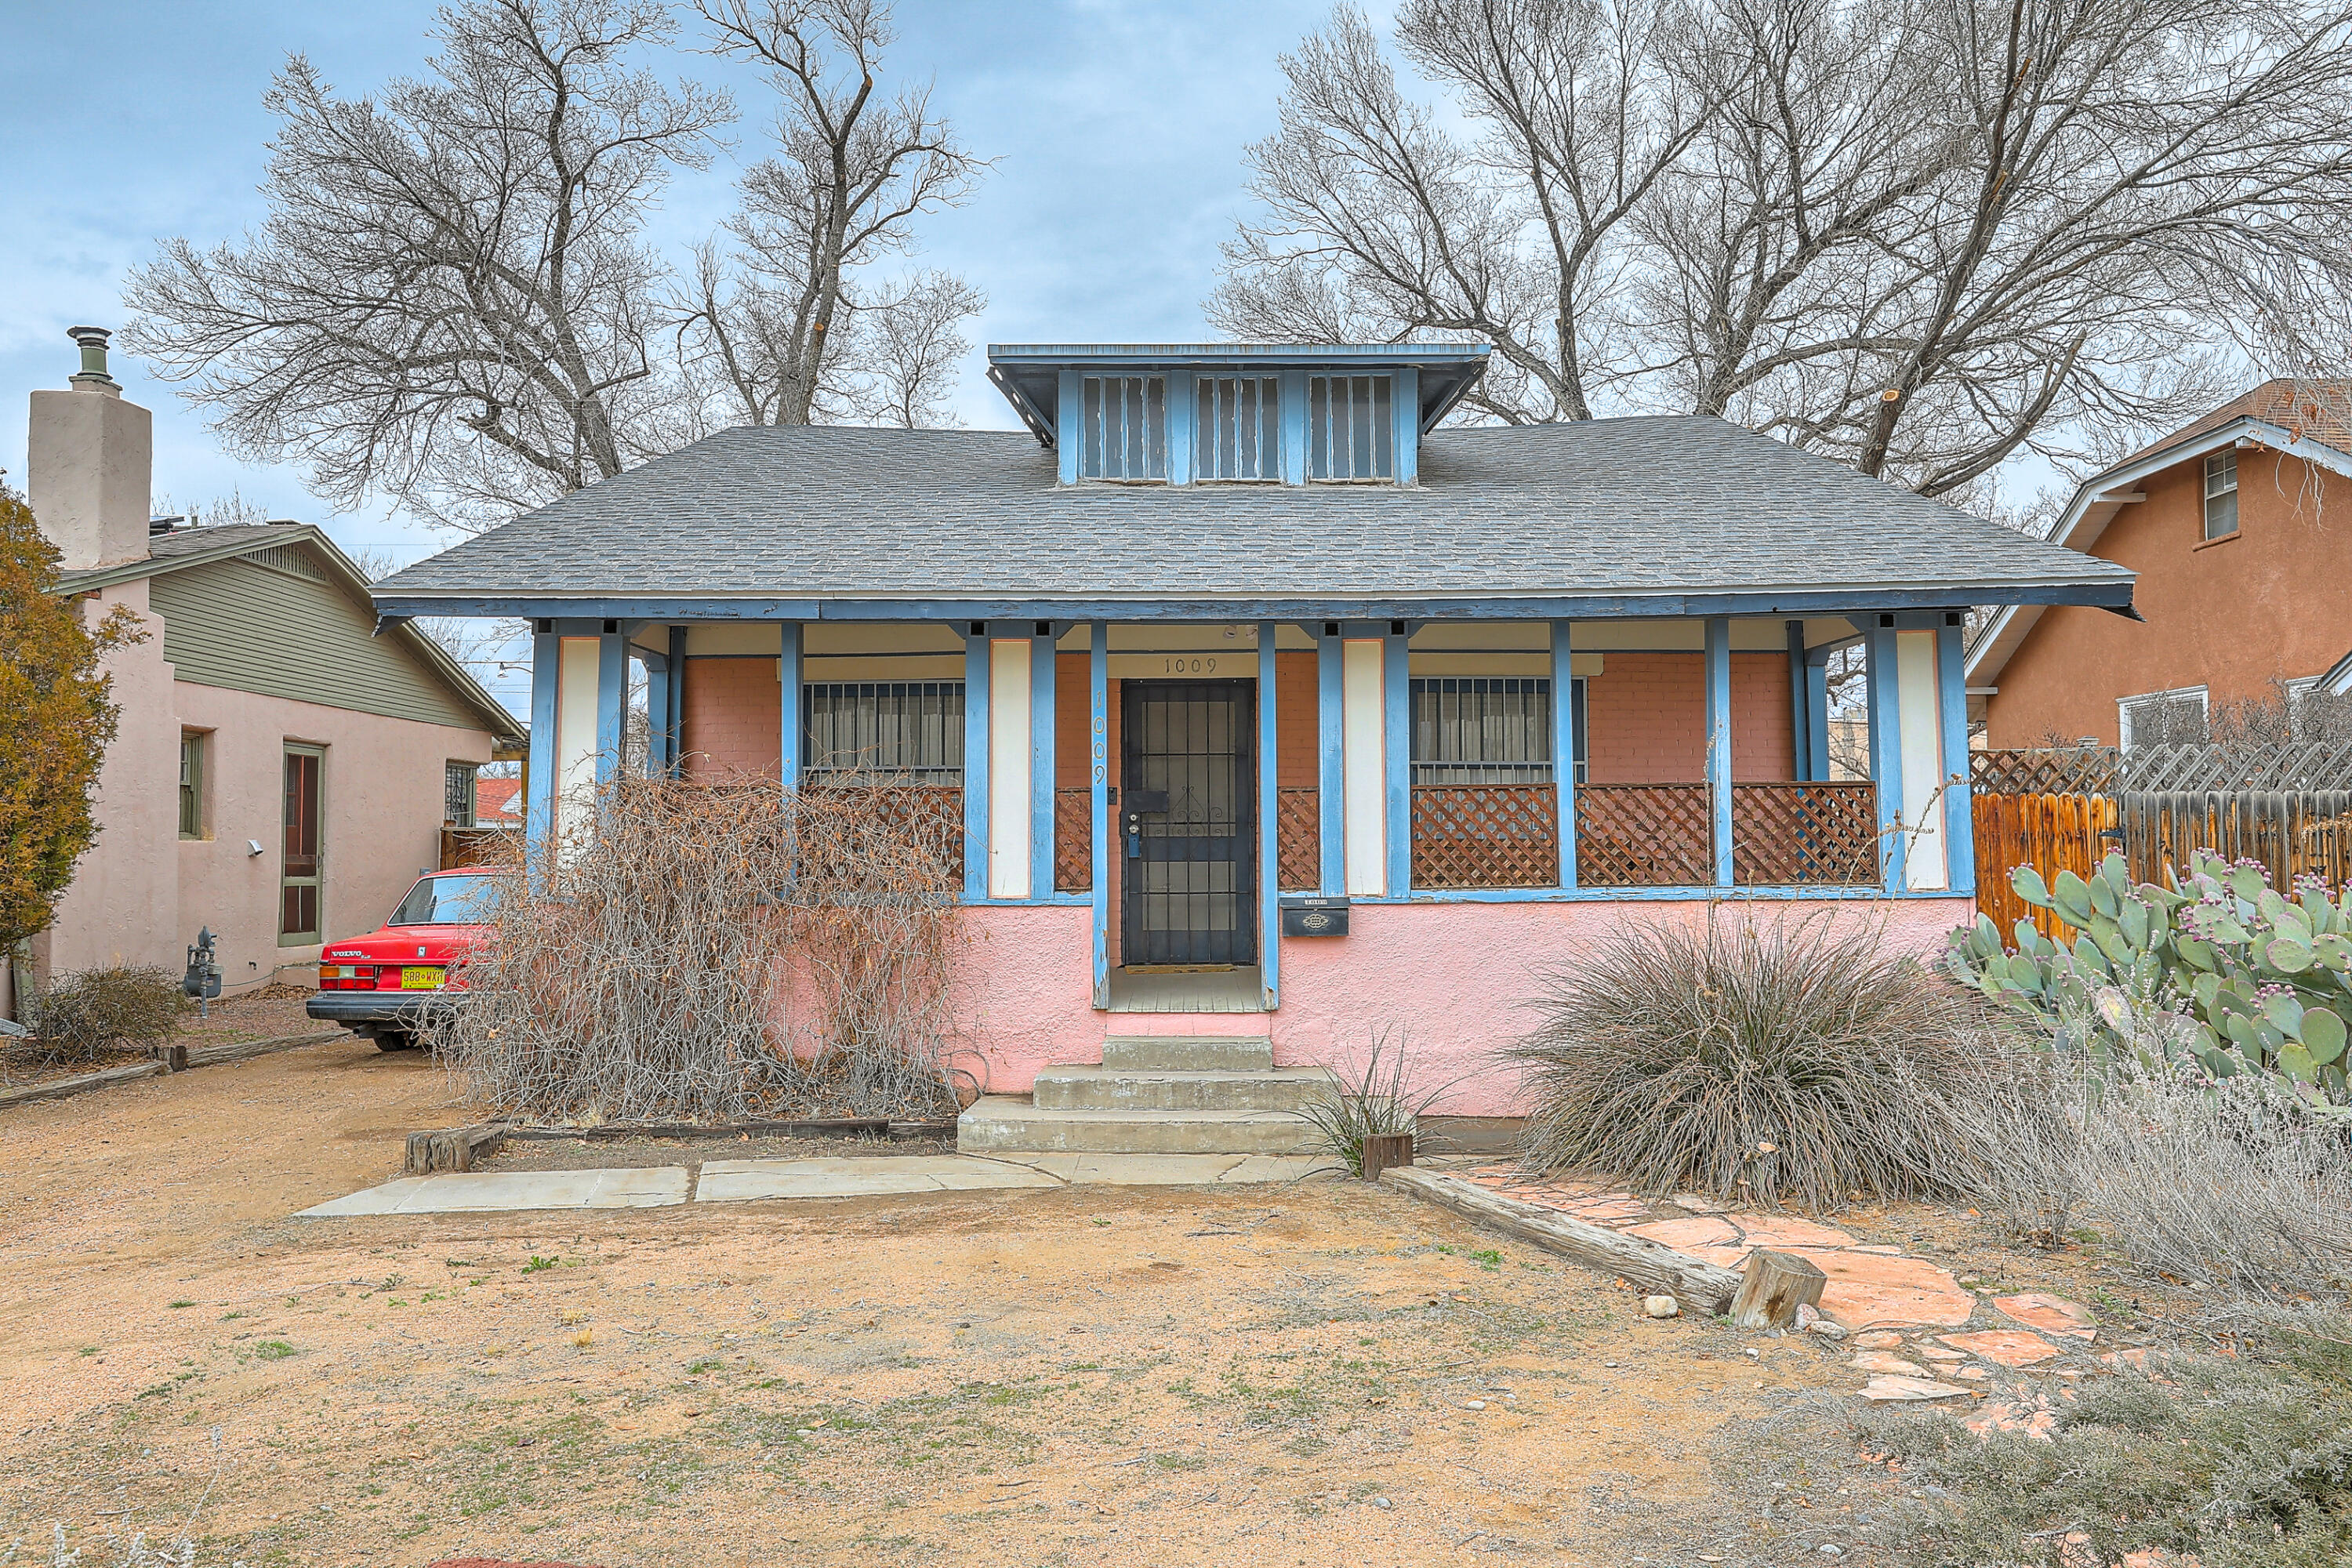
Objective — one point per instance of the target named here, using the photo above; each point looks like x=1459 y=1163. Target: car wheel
x=395 y=1040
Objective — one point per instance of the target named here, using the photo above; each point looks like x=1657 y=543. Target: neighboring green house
x=281 y=771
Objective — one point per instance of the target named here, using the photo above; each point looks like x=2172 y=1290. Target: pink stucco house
x=280 y=774
x=1276 y=710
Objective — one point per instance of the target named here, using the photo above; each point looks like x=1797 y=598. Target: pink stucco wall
x=380 y=798
x=1447 y=981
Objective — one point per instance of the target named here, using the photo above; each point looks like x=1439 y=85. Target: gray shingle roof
x=1665 y=505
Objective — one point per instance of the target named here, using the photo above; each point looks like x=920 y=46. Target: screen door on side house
x=298 y=888
x=1187 y=824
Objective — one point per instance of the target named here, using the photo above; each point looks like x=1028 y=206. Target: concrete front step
x=1004 y=1123
x=1083 y=1087
x=1187 y=1053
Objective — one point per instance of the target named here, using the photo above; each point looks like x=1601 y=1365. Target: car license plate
x=421 y=977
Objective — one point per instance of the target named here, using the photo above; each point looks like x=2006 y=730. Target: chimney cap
x=92 y=377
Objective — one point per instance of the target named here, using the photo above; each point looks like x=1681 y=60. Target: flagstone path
x=1893 y=1310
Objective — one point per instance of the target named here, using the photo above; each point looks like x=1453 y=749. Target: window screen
x=1123 y=433
x=457 y=793
x=2221 y=494
x=1351 y=431
x=1237 y=433
x=908 y=732
x=1489 y=730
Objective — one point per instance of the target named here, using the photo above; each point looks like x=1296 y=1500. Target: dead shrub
x=2231 y=1183
x=1795 y=1058
x=78 y=1018
x=711 y=952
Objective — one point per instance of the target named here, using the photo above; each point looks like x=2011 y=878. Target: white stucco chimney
x=89 y=459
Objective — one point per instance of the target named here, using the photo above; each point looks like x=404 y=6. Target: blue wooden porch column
x=788 y=677
x=1800 y=705
x=612 y=702
x=1269 y=824
x=658 y=678
x=1884 y=699
x=1098 y=777
x=1396 y=733
x=1718 y=742
x=1563 y=748
x=1331 y=754
x=1042 y=792
x=1959 y=809
x=539 y=808
x=975 y=764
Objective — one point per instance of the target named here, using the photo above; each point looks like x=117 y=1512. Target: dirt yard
x=1315 y=1374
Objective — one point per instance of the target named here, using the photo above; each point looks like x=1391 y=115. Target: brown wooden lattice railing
x=1074 y=845
x=1486 y=835
x=1804 y=835
x=1299 y=838
x=1643 y=836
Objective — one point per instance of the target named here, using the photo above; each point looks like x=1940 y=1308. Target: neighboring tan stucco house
x=280 y=772
x=2240 y=529
x=1271 y=708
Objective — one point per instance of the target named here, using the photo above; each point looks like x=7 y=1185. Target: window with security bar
x=1351 y=427
x=1123 y=428
x=457 y=793
x=895 y=731
x=1237 y=428
x=1484 y=730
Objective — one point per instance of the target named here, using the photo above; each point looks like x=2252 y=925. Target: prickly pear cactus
x=2222 y=968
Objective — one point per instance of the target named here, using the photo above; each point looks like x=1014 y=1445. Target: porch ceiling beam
x=1773 y=604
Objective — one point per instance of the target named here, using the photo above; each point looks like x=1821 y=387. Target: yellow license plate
x=421 y=977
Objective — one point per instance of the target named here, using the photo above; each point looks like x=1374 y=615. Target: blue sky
x=1117 y=125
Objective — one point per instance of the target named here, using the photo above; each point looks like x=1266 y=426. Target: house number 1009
x=1206 y=664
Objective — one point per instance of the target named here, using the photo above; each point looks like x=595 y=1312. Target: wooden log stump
x=1773 y=1287
x=1386 y=1150
x=453 y=1149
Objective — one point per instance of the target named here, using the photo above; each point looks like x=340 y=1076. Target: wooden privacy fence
x=2065 y=808
x=2294 y=832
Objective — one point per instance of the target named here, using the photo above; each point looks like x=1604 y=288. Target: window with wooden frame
x=1489 y=730
x=1237 y=428
x=2175 y=718
x=1351 y=427
x=192 y=748
x=1123 y=428
x=2221 y=495
x=896 y=731
x=457 y=787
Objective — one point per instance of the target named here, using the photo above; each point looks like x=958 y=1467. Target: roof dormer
x=1172 y=414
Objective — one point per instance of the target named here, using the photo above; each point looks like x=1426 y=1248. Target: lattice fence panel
x=1299 y=838
x=2044 y=769
x=1643 y=836
x=2303 y=766
x=1486 y=835
x=1074 y=835
x=1804 y=835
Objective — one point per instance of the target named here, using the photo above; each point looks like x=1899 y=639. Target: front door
x=1189 y=832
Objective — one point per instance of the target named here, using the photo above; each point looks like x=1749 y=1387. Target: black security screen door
x=1188 y=829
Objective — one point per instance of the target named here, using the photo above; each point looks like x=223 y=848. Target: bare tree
x=449 y=302
x=780 y=324
x=1384 y=225
x=1922 y=235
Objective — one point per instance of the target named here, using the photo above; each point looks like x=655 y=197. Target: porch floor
x=1240 y=989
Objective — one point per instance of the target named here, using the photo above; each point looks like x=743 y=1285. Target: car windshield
x=447 y=900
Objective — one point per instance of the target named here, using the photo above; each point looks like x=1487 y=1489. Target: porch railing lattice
x=1299 y=838
x=1486 y=835
x=1074 y=840
x=1643 y=836
x=1804 y=835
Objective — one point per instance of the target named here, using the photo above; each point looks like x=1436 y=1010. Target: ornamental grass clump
x=1769 y=1061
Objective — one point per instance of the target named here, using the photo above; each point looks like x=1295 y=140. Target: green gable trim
x=237 y=623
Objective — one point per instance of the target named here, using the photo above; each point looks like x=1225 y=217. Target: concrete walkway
x=745 y=1181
